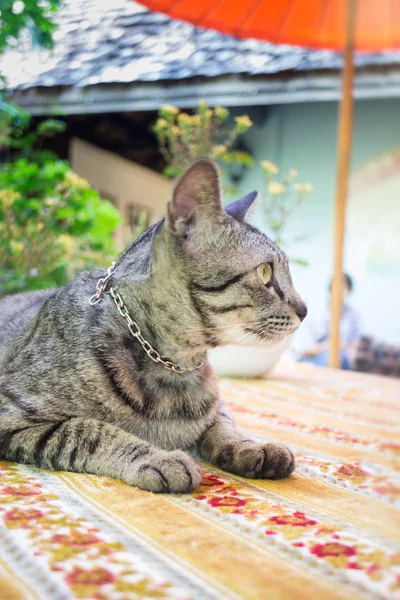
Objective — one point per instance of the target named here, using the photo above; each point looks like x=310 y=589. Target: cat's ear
x=239 y=209
x=197 y=195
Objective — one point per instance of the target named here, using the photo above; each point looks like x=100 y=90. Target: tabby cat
x=121 y=386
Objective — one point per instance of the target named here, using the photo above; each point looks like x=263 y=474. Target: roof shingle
x=100 y=42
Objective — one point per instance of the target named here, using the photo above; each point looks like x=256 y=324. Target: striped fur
x=78 y=393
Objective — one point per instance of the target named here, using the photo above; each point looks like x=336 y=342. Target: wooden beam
x=344 y=146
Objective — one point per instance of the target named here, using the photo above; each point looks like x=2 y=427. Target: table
x=331 y=530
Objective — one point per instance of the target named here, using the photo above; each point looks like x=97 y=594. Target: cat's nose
x=301 y=310
x=297 y=304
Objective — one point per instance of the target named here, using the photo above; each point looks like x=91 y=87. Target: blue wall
x=303 y=136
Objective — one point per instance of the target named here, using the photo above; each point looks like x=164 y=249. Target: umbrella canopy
x=343 y=25
x=308 y=23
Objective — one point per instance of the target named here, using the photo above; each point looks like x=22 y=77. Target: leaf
x=106 y=219
x=51 y=127
x=14 y=111
x=299 y=261
x=171 y=171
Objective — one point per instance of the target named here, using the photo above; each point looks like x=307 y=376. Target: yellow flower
x=161 y=123
x=209 y=113
x=218 y=150
x=73 y=179
x=184 y=119
x=270 y=167
x=303 y=188
x=176 y=131
x=51 y=201
x=243 y=122
x=67 y=242
x=292 y=173
x=274 y=187
x=221 y=112
x=8 y=197
x=17 y=247
x=169 y=109
x=195 y=120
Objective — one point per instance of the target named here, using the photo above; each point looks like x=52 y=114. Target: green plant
x=280 y=199
x=207 y=133
x=52 y=223
x=34 y=17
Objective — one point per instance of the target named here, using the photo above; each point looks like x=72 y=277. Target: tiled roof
x=119 y=41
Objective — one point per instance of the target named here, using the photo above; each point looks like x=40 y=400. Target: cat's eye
x=264 y=272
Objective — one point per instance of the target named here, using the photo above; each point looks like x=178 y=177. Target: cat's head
x=238 y=279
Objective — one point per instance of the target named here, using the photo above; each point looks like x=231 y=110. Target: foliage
x=280 y=199
x=32 y=15
x=209 y=132
x=16 y=16
x=52 y=224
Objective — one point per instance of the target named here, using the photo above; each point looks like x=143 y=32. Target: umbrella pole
x=343 y=162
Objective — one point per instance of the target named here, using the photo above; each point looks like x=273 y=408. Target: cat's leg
x=92 y=446
x=224 y=446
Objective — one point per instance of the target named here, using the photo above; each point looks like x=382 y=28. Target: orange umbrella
x=343 y=25
x=308 y=23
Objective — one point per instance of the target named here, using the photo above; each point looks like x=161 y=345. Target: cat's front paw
x=257 y=461
x=169 y=472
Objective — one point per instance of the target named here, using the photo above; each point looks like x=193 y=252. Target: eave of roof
x=230 y=90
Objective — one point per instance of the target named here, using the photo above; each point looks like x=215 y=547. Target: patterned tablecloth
x=331 y=530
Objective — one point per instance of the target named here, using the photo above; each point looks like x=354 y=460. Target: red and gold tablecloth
x=331 y=530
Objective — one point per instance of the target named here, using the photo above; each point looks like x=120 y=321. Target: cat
x=79 y=392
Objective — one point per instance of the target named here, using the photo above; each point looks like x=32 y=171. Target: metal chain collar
x=101 y=288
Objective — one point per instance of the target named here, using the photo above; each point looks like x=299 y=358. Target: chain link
x=101 y=288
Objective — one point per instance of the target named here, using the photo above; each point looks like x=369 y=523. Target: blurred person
x=319 y=332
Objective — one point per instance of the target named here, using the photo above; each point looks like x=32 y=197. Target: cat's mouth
x=268 y=336
x=273 y=329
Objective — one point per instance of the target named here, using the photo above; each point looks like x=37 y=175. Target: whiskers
x=252 y=333
x=242 y=333
x=269 y=331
